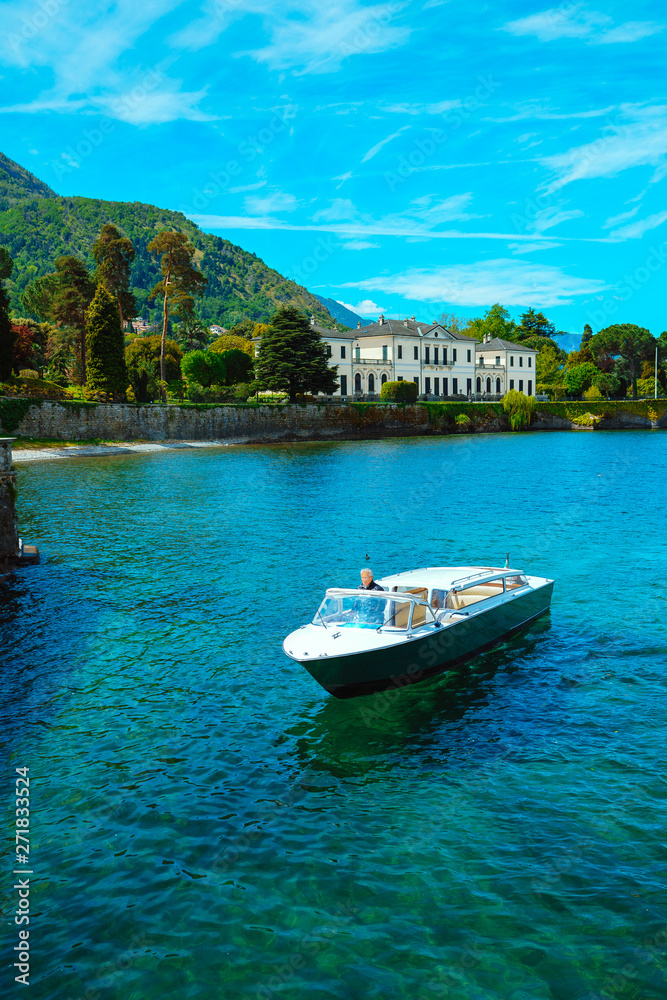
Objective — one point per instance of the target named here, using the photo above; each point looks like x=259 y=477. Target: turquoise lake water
x=206 y=822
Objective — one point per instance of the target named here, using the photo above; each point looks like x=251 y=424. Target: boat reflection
x=440 y=717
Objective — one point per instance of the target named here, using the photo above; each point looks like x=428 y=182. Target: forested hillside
x=37 y=225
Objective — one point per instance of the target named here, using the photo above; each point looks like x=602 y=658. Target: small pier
x=12 y=550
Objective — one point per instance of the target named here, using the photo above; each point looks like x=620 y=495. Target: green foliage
x=496 y=322
x=142 y=357
x=114 y=254
x=34 y=388
x=463 y=420
x=7 y=332
x=230 y=342
x=534 y=325
x=592 y=393
x=12 y=411
x=239 y=366
x=519 y=410
x=208 y=368
x=7 y=337
x=292 y=357
x=627 y=342
x=204 y=368
x=243 y=391
x=191 y=334
x=106 y=372
x=399 y=392
x=580 y=377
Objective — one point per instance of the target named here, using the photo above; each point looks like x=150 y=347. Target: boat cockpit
x=405 y=607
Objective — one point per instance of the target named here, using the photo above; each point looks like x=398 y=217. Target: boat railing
x=487 y=574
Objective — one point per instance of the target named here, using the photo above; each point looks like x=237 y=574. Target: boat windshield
x=363 y=611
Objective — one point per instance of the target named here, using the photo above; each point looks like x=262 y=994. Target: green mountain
x=37 y=225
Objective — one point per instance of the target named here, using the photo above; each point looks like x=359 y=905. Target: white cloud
x=139 y=107
x=622 y=217
x=374 y=150
x=574 y=21
x=559 y=22
x=310 y=37
x=538 y=111
x=635 y=230
x=364 y=308
x=402 y=226
x=247 y=187
x=521 y=248
x=631 y=31
x=515 y=282
x=83 y=51
x=360 y=245
x=547 y=218
x=421 y=109
x=637 y=138
x=339 y=209
x=279 y=201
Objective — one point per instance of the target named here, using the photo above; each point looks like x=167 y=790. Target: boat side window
x=463 y=597
x=513 y=582
x=422 y=615
x=417 y=591
x=437 y=599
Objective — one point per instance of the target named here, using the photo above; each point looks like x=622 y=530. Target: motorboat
x=423 y=622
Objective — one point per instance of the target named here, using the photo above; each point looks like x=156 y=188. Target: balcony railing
x=372 y=361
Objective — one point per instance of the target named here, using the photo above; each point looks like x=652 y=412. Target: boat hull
x=422 y=657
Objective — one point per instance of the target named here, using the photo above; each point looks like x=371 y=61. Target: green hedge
x=399 y=392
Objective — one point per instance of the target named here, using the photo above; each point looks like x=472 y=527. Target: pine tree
x=73 y=293
x=292 y=357
x=7 y=334
x=180 y=281
x=114 y=254
x=106 y=347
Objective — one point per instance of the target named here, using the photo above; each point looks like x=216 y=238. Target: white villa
x=440 y=361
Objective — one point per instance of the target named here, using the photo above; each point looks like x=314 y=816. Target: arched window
x=488 y=385
x=479 y=384
x=383 y=379
x=357 y=382
x=371 y=383
x=498 y=390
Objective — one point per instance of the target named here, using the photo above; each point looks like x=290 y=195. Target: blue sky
x=410 y=157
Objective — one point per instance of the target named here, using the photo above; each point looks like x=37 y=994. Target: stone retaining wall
x=69 y=421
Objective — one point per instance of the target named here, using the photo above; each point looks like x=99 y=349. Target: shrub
x=463 y=420
x=34 y=389
x=243 y=391
x=593 y=393
x=399 y=392
x=229 y=342
x=519 y=409
x=142 y=356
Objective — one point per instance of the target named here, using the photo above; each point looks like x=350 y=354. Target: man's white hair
x=366 y=569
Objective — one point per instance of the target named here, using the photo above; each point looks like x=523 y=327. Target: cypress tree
x=106 y=370
x=292 y=357
x=7 y=334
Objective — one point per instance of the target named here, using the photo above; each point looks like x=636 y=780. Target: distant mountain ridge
x=342 y=313
x=37 y=225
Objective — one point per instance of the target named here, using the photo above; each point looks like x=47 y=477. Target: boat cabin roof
x=445 y=577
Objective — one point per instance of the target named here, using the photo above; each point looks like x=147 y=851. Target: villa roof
x=406 y=328
x=503 y=345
